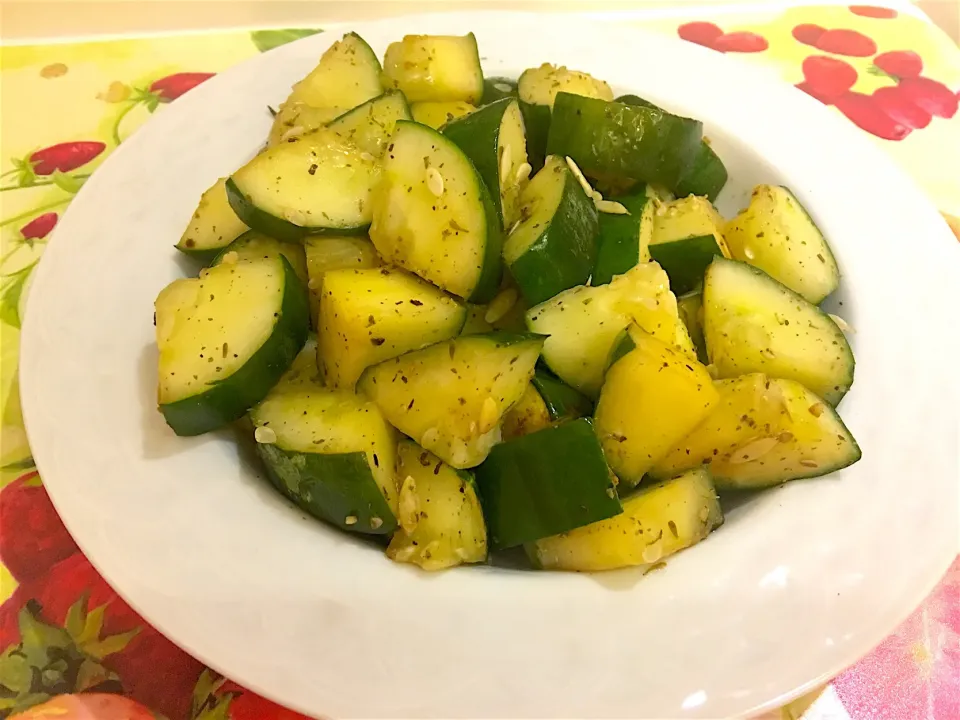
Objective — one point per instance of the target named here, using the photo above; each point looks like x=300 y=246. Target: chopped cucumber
x=441 y=521
x=432 y=215
x=536 y=121
x=497 y=88
x=493 y=138
x=318 y=185
x=624 y=240
x=687 y=235
x=652 y=397
x=540 y=85
x=752 y=323
x=332 y=453
x=296 y=119
x=325 y=253
x=584 y=323
x=764 y=432
x=214 y=225
x=253 y=245
x=225 y=338
x=545 y=483
x=561 y=400
x=777 y=235
x=371 y=125
x=453 y=395
x=706 y=175
x=553 y=247
x=436 y=114
x=690 y=307
x=611 y=141
x=347 y=75
x=368 y=316
x=528 y=415
x=657 y=522
x=435 y=67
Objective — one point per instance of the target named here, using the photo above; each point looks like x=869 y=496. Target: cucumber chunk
x=546 y=400
x=453 y=395
x=497 y=88
x=320 y=184
x=764 y=432
x=325 y=253
x=545 y=483
x=347 y=75
x=371 y=125
x=296 y=119
x=624 y=240
x=441 y=521
x=332 y=453
x=494 y=140
x=690 y=307
x=553 y=247
x=687 y=235
x=214 y=225
x=527 y=416
x=438 y=114
x=776 y=234
x=752 y=323
x=435 y=67
x=540 y=85
x=225 y=338
x=368 y=316
x=584 y=323
x=706 y=175
x=652 y=397
x=253 y=246
x=561 y=400
x=432 y=215
x=611 y=141
x=657 y=522
x=536 y=121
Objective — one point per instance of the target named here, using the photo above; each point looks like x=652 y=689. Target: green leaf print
x=269 y=39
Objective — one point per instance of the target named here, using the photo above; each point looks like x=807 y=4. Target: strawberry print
x=38 y=229
x=930 y=95
x=711 y=36
x=154 y=670
x=173 y=86
x=899 y=64
x=87 y=706
x=866 y=114
x=701 y=33
x=828 y=77
x=808 y=33
x=872 y=11
x=32 y=537
x=846 y=42
x=900 y=107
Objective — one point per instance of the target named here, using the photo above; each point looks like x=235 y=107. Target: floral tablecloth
x=68 y=641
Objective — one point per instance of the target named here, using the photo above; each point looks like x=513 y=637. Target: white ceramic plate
x=797 y=584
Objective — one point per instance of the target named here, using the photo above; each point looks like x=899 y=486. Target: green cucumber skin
x=685 y=261
x=207 y=256
x=618 y=247
x=536 y=121
x=330 y=487
x=478 y=136
x=488 y=285
x=545 y=483
x=637 y=101
x=231 y=398
x=491 y=93
x=615 y=140
x=264 y=222
x=562 y=401
x=706 y=176
x=563 y=256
